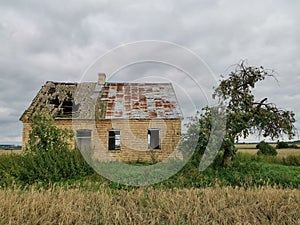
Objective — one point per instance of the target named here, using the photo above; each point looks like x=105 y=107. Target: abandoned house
x=114 y=121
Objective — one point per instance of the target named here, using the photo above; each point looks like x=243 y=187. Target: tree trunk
x=229 y=149
x=227 y=157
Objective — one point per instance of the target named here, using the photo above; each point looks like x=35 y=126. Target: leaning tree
x=245 y=114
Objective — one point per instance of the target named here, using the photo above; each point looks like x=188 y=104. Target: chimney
x=101 y=78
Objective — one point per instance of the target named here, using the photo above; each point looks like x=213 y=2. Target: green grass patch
x=291 y=160
x=245 y=171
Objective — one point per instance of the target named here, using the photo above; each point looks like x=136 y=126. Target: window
x=114 y=140
x=84 y=140
x=153 y=139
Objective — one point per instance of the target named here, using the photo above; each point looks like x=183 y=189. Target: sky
x=59 y=40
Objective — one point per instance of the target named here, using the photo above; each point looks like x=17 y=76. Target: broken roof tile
x=122 y=100
x=142 y=100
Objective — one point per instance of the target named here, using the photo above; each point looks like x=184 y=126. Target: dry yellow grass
x=10 y=151
x=245 y=146
x=149 y=206
x=288 y=151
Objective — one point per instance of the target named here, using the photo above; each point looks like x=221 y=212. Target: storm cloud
x=58 y=41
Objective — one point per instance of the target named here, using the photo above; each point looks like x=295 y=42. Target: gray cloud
x=54 y=40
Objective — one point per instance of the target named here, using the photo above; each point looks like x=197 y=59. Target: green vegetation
x=290 y=160
x=282 y=144
x=265 y=149
x=35 y=184
x=47 y=158
x=245 y=115
x=246 y=170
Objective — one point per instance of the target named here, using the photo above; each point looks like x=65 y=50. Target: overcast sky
x=58 y=40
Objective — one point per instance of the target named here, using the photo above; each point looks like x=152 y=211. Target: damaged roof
x=54 y=97
x=108 y=101
x=140 y=101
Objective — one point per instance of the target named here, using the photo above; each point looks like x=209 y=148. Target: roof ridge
x=136 y=83
x=62 y=82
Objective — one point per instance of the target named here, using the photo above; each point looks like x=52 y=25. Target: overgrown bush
x=265 y=149
x=282 y=144
x=9 y=168
x=45 y=136
x=47 y=158
x=52 y=166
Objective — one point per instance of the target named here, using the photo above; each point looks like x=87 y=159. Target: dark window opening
x=84 y=140
x=114 y=140
x=153 y=139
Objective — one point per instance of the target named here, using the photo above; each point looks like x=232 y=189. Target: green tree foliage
x=48 y=157
x=265 y=149
x=198 y=131
x=282 y=144
x=45 y=136
x=245 y=114
x=197 y=136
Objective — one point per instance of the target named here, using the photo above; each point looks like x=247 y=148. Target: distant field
x=251 y=148
x=2 y=151
x=243 y=148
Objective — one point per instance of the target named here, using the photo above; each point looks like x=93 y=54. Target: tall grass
x=42 y=167
x=281 y=152
x=246 y=171
x=289 y=160
x=150 y=206
x=247 y=192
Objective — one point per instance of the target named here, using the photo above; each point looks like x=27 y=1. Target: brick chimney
x=101 y=78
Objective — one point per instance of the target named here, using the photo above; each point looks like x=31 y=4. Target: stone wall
x=25 y=134
x=134 y=138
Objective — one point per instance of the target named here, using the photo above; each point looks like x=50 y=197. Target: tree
x=246 y=115
x=282 y=144
x=45 y=136
x=266 y=149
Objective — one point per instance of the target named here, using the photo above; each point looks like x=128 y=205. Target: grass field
x=253 y=190
x=251 y=149
x=150 y=206
x=10 y=151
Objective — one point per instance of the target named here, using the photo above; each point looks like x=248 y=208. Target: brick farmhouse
x=113 y=121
